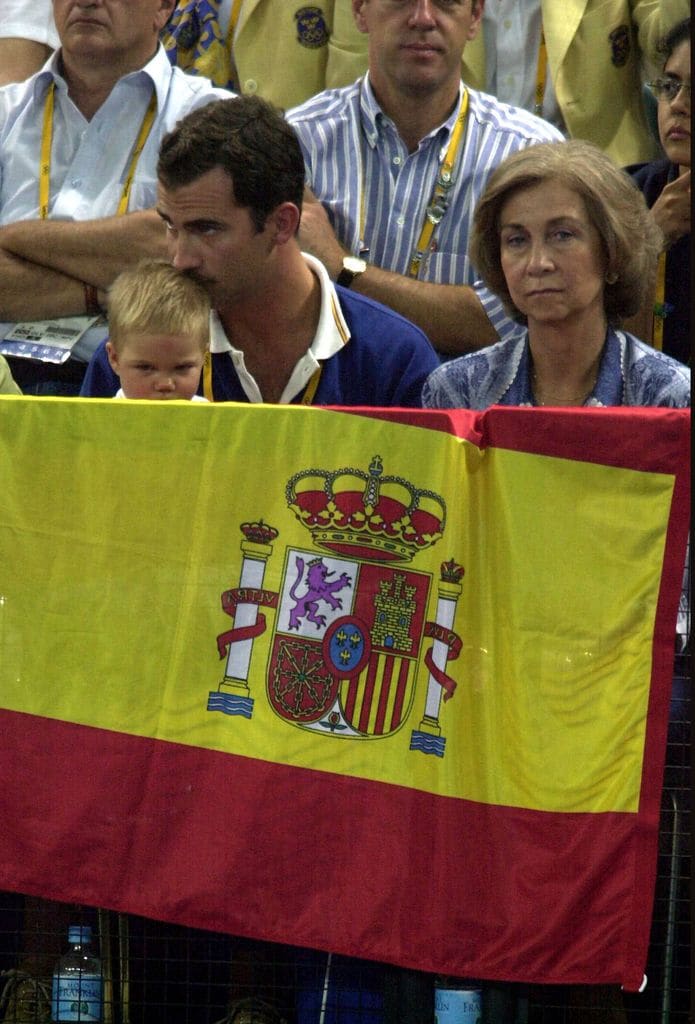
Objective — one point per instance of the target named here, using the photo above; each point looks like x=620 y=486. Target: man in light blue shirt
x=78 y=151
x=375 y=152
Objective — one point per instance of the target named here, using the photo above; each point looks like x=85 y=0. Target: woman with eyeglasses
x=665 y=185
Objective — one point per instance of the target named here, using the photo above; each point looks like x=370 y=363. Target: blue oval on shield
x=346 y=646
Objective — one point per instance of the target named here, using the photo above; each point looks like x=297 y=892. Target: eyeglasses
x=668 y=88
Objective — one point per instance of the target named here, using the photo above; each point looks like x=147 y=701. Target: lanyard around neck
x=307 y=398
x=661 y=308
x=311 y=388
x=439 y=202
x=315 y=379
x=47 y=140
x=207 y=377
x=541 y=75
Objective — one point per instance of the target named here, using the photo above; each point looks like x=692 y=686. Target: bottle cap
x=79 y=934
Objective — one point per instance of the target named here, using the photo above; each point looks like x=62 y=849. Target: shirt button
x=76 y=182
x=250 y=86
x=400 y=222
x=507 y=23
x=397 y=161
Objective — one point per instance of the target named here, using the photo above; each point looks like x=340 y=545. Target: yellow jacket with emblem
x=284 y=50
x=595 y=51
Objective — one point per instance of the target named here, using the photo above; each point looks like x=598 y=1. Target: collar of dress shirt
x=158 y=70
x=373 y=117
x=331 y=334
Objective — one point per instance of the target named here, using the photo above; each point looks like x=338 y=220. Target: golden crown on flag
x=451 y=571
x=259 y=532
x=366 y=514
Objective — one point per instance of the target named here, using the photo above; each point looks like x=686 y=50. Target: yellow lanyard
x=47 y=140
x=659 y=303
x=312 y=386
x=207 y=377
x=45 y=165
x=307 y=398
x=541 y=75
x=438 y=204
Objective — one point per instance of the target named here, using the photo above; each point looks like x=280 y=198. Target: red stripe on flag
x=648 y=439
x=351 y=700
x=437 y=884
x=384 y=696
x=367 y=695
x=400 y=693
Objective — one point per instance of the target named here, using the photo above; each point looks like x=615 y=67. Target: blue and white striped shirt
x=348 y=141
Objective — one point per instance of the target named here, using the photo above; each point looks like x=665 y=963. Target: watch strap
x=352 y=268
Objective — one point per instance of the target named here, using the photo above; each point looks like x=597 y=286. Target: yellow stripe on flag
x=122 y=525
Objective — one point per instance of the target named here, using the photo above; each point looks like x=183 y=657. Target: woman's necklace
x=578 y=399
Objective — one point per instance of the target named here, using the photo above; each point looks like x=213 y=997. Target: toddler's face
x=157 y=366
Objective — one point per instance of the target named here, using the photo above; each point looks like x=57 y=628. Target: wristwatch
x=352 y=268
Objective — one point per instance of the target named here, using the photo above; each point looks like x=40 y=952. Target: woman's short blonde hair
x=153 y=297
x=630 y=238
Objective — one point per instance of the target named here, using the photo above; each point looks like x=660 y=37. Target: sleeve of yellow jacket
x=596 y=50
x=287 y=50
x=347 y=51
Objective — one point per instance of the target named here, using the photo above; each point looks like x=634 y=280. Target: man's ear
x=112 y=356
x=164 y=12
x=476 y=18
x=284 y=222
x=358 y=7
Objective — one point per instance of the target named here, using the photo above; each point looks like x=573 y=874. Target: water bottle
x=77 y=981
x=457 y=1001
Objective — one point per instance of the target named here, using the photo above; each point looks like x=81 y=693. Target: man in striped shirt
x=397 y=162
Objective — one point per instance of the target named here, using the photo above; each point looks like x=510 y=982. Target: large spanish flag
x=390 y=684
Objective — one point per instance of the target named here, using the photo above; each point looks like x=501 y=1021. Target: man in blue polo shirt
x=231 y=180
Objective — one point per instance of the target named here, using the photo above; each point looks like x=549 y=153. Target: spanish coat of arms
x=351 y=636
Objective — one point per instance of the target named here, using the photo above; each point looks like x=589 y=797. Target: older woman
x=565 y=239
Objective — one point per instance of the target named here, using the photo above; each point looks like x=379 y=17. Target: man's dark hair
x=249 y=139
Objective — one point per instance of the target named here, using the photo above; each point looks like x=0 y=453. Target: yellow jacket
x=282 y=53
x=595 y=50
x=284 y=50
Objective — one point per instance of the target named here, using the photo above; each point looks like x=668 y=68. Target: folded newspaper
x=51 y=341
